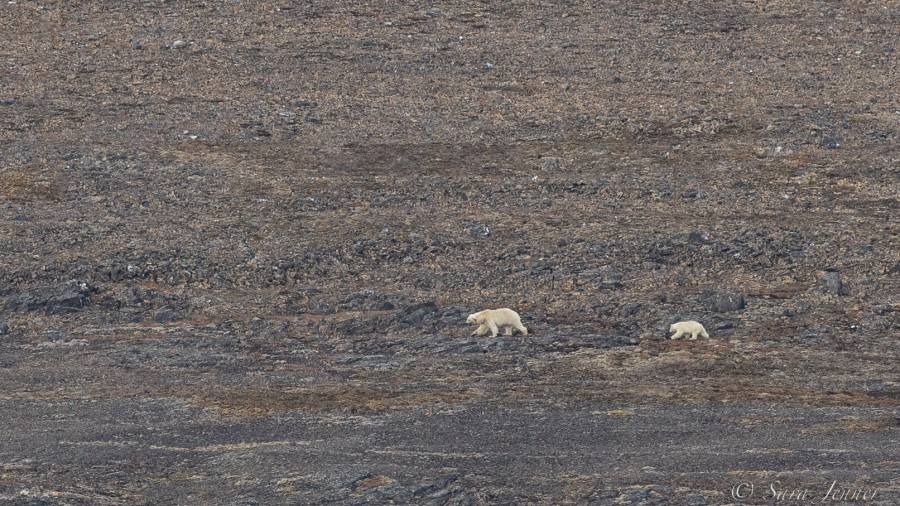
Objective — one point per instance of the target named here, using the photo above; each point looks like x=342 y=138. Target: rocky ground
x=239 y=241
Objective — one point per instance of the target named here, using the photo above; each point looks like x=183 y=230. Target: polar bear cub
x=689 y=327
x=492 y=319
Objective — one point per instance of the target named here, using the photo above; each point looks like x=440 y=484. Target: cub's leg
x=481 y=330
x=507 y=331
x=694 y=336
x=494 y=329
x=677 y=334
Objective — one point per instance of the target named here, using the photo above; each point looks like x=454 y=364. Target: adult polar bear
x=493 y=319
x=689 y=327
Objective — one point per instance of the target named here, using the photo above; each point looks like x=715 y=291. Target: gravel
x=236 y=267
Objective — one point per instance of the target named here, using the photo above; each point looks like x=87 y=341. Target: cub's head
x=471 y=318
x=672 y=328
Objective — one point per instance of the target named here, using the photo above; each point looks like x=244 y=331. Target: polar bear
x=689 y=327
x=491 y=319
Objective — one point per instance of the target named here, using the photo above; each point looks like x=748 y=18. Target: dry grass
x=27 y=184
x=254 y=402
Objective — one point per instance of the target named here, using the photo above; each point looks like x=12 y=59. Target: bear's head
x=672 y=328
x=471 y=318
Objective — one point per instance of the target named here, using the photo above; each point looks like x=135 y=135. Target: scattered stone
x=320 y=307
x=605 y=494
x=132 y=296
x=611 y=280
x=569 y=344
x=357 y=326
x=479 y=230
x=697 y=237
x=694 y=500
x=366 y=300
x=368 y=361
x=642 y=495
x=165 y=315
x=228 y=230
x=721 y=301
x=57 y=335
x=630 y=309
x=552 y=164
x=475 y=345
x=418 y=313
x=829 y=142
x=833 y=284
x=434 y=489
x=73 y=299
x=57 y=299
x=114 y=273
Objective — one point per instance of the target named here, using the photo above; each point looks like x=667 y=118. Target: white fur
x=689 y=327
x=492 y=319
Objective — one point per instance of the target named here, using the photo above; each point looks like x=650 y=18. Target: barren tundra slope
x=239 y=242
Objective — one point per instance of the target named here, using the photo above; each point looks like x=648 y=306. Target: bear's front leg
x=693 y=336
x=481 y=330
x=494 y=329
x=677 y=334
